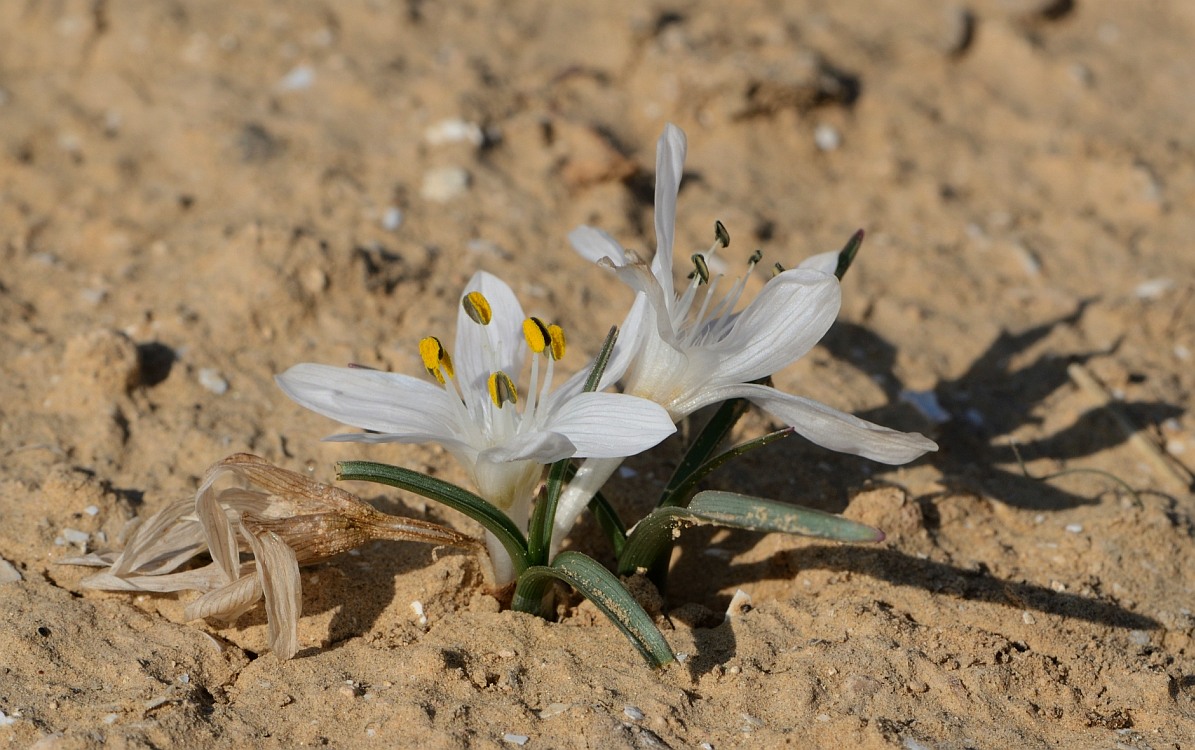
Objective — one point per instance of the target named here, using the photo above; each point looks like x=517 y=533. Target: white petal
x=824 y=262
x=791 y=314
x=606 y=425
x=826 y=426
x=542 y=446
x=481 y=350
x=387 y=402
x=625 y=348
x=670 y=163
x=594 y=244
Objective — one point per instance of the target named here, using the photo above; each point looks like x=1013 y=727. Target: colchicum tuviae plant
x=675 y=352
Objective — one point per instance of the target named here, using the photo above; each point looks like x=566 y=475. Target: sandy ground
x=194 y=196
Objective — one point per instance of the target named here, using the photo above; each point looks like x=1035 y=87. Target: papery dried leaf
x=217 y=529
x=278 y=571
x=159 y=537
x=227 y=602
x=206 y=578
x=320 y=536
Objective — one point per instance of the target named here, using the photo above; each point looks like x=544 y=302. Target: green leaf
x=603 y=358
x=599 y=586
x=543 y=518
x=609 y=521
x=474 y=506
x=653 y=536
x=846 y=256
x=707 y=441
x=683 y=488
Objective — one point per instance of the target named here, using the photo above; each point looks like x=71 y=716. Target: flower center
x=490 y=412
x=712 y=320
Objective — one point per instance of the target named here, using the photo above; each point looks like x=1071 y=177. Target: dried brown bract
x=281 y=518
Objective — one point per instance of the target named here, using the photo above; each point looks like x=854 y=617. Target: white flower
x=690 y=349
x=503 y=437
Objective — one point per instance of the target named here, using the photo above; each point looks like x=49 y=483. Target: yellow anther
x=477 y=307
x=435 y=358
x=538 y=335
x=502 y=389
x=777 y=270
x=556 y=333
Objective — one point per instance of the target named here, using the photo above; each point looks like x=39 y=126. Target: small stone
x=1028 y=618
x=300 y=77
x=211 y=379
x=826 y=137
x=1074 y=528
x=8 y=572
x=454 y=130
x=516 y=739
x=443 y=184
x=92 y=510
x=392 y=219
x=633 y=713
x=75 y=536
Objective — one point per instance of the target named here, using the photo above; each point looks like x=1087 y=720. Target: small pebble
x=8 y=573
x=633 y=713
x=1139 y=637
x=554 y=709
x=75 y=536
x=392 y=219
x=443 y=184
x=516 y=739
x=211 y=379
x=1074 y=528
x=454 y=130
x=300 y=77
x=826 y=137
x=92 y=510
x=1028 y=618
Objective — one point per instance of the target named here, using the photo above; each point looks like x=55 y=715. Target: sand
x=194 y=197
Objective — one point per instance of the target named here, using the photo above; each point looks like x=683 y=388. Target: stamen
x=777 y=270
x=556 y=334
x=703 y=270
x=435 y=358
x=721 y=234
x=477 y=307
x=502 y=389
x=538 y=334
x=756 y=257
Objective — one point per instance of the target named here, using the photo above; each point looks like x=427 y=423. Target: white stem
x=503 y=566
x=590 y=477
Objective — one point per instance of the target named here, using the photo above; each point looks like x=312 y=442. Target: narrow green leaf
x=599 y=586
x=653 y=536
x=543 y=518
x=707 y=441
x=603 y=358
x=846 y=256
x=474 y=506
x=609 y=521
x=684 y=489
